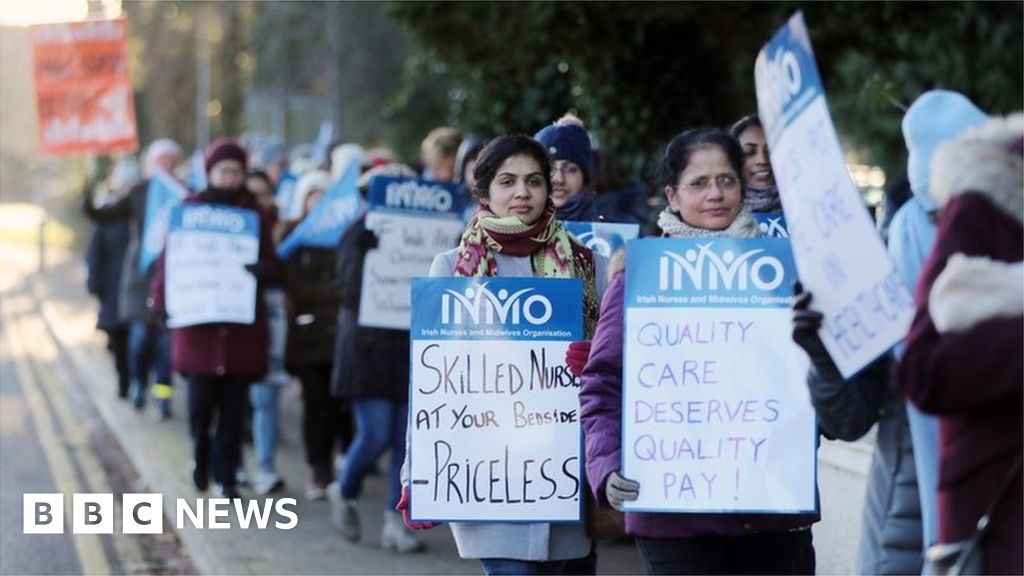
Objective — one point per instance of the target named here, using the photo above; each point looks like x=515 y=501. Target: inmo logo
x=478 y=305
x=409 y=194
x=596 y=243
x=207 y=217
x=705 y=269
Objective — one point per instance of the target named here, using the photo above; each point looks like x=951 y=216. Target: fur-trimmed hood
x=985 y=160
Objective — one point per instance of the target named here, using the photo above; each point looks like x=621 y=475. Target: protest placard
x=323 y=227
x=162 y=195
x=772 y=224
x=838 y=252
x=414 y=220
x=603 y=238
x=84 y=97
x=208 y=246
x=494 y=410
x=716 y=414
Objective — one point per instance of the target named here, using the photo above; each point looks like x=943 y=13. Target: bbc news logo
x=144 y=513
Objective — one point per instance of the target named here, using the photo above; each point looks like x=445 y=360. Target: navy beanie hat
x=568 y=142
x=223 y=149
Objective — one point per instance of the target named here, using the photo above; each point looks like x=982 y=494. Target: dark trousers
x=763 y=553
x=326 y=420
x=222 y=399
x=117 y=344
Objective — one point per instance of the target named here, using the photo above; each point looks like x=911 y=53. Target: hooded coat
x=963 y=356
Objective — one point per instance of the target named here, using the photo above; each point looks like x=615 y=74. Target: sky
x=24 y=13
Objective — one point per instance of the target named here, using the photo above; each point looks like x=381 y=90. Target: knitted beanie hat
x=567 y=139
x=223 y=149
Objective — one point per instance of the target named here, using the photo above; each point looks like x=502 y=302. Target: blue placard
x=203 y=217
x=603 y=238
x=162 y=195
x=772 y=224
x=394 y=194
x=497 y=309
x=710 y=272
x=792 y=81
x=323 y=227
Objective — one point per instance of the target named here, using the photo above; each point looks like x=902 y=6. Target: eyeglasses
x=565 y=170
x=703 y=184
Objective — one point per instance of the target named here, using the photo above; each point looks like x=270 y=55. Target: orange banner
x=83 y=90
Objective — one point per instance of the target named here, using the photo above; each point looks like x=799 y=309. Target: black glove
x=806 y=323
x=368 y=240
x=256 y=269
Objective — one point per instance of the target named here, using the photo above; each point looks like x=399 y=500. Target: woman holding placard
x=515 y=234
x=702 y=179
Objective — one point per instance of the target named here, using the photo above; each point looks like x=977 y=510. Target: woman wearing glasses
x=701 y=175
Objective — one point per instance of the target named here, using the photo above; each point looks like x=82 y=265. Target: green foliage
x=639 y=73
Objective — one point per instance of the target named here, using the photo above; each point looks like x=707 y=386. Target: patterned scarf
x=765 y=200
x=744 y=226
x=553 y=252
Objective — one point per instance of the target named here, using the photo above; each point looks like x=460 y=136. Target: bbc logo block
x=43 y=514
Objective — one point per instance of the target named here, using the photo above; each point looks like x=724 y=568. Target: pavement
x=160 y=453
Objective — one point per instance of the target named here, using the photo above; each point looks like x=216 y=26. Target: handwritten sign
x=414 y=220
x=494 y=410
x=162 y=195
x=208 y=247
x=772 y=224
x=83 y=90
x=323 y=227
x=837 y=249
x=603 y=238
x=716 y=414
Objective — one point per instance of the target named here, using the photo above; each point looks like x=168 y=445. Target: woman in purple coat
x=701 y=175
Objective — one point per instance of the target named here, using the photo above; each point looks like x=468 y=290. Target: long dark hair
x=678 y=152
x=501 y=148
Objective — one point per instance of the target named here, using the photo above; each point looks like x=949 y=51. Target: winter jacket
x=310 y=281
x=368 y=362
x=601 y=415
x=104 y=260
x=133 y=286
x=536 y=541
x=223 y=349
x=963 y=356
x=891 y=537
x=627 y=204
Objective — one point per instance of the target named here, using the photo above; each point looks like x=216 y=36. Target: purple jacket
x=601 y=416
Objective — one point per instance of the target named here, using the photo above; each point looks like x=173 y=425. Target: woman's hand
x=806 y=323
x=403 y=507
x=619 y=489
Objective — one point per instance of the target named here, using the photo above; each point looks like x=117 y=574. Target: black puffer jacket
x=310 y=281
x=891 y=539
x=368 y=362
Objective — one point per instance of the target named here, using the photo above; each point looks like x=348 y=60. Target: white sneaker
x=267 y=482
x=344 y=514
x=395 y=536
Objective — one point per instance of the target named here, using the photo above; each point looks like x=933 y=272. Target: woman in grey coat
x=891 y=533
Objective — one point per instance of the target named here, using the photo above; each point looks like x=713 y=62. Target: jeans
x=380 y=424
x=761 y=553
x=220 y=398
x=149 y=350
x=265 y=400
x=117 y=344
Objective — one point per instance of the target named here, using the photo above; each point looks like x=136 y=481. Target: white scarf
x=744 y=226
